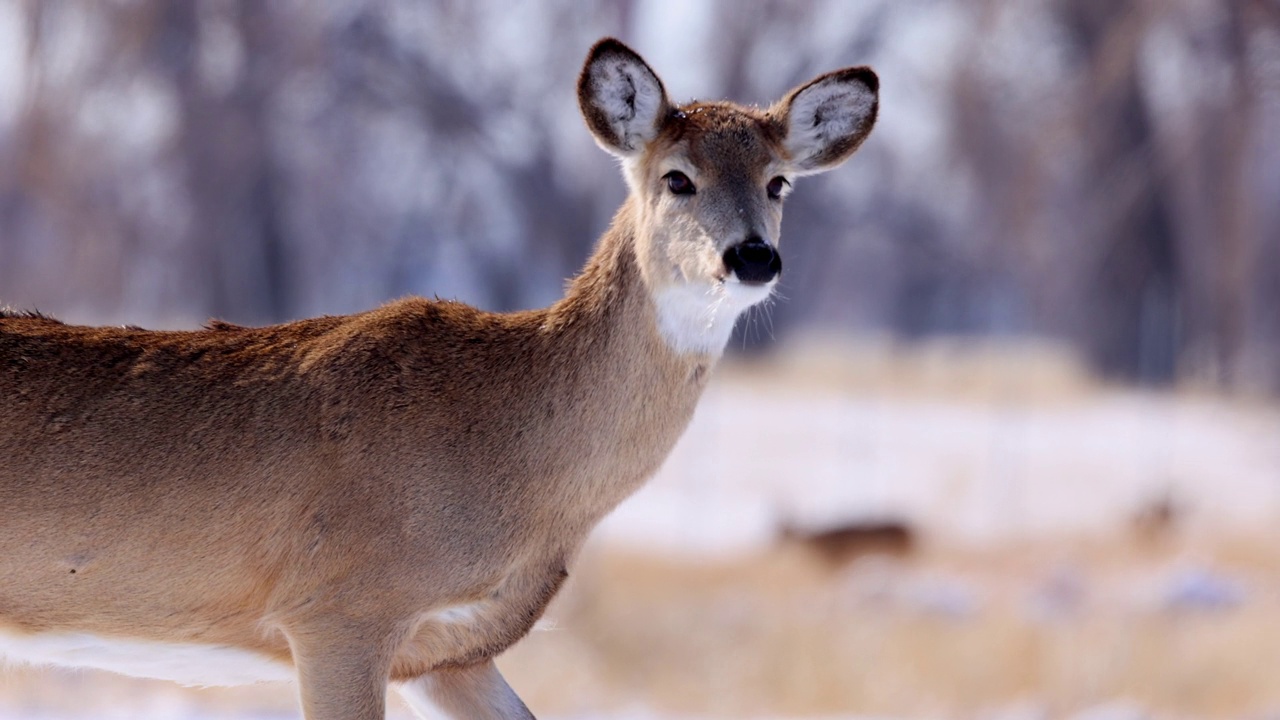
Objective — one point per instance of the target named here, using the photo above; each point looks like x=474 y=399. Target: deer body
x=394 y=495
x=453 y=492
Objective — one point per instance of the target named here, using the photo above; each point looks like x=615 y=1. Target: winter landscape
x=1006 y=448
x=1073 y=550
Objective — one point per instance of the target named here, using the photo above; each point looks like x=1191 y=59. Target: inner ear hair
x=826 y=119
x=621 y=98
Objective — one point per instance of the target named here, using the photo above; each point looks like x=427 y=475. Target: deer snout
x=753 y=261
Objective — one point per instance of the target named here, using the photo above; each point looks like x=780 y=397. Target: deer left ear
x=621 y=98
x=826 y=119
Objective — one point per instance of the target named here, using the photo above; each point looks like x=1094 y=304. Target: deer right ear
x=826 y=119
x=621 y=98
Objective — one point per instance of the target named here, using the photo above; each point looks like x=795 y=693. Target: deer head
x=708 y=181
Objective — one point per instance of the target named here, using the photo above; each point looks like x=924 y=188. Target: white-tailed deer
x=393 y=496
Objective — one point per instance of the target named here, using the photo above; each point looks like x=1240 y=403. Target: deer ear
x=621 y=98
x=826 y=119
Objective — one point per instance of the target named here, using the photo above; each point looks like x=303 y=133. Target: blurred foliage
x=1104 y=174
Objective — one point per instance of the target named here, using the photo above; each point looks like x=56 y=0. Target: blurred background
x=1013 y=431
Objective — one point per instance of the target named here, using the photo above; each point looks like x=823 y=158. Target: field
x=1015 y=541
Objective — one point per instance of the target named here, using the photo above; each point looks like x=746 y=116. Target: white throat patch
x=698 y=319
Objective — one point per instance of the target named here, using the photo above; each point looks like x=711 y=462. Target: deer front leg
x=477 y=692
x=342 y=673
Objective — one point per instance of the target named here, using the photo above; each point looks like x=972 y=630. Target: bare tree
x=1103 y=174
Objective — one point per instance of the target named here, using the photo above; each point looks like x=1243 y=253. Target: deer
x=838 y=545
x=390 y=499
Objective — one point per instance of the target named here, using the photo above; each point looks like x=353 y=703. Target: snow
x=979 y=471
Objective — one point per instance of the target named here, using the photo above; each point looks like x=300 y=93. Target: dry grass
x=950 y=634
x=934 y=369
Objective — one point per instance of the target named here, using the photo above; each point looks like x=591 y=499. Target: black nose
x=753 y=261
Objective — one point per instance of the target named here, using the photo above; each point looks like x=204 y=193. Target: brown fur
x=315 y=491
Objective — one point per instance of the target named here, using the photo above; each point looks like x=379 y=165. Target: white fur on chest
x=699 y=319
x=188 y=664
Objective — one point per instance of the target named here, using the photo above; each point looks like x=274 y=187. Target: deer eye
x=679 y=183
x=776 y=186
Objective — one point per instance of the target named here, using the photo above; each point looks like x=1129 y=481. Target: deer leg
x=341 y=674
x=477 y=692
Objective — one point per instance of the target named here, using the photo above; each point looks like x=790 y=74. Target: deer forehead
x=718 y=141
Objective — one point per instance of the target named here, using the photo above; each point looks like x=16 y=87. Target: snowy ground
x=995 y=467
x=986 y=470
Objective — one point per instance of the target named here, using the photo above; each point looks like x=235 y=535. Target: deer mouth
x=753 y=262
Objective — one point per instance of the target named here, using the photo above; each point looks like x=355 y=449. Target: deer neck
x=611 y=312
x=633 y=392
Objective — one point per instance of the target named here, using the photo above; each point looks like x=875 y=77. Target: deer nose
x=753 y=261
